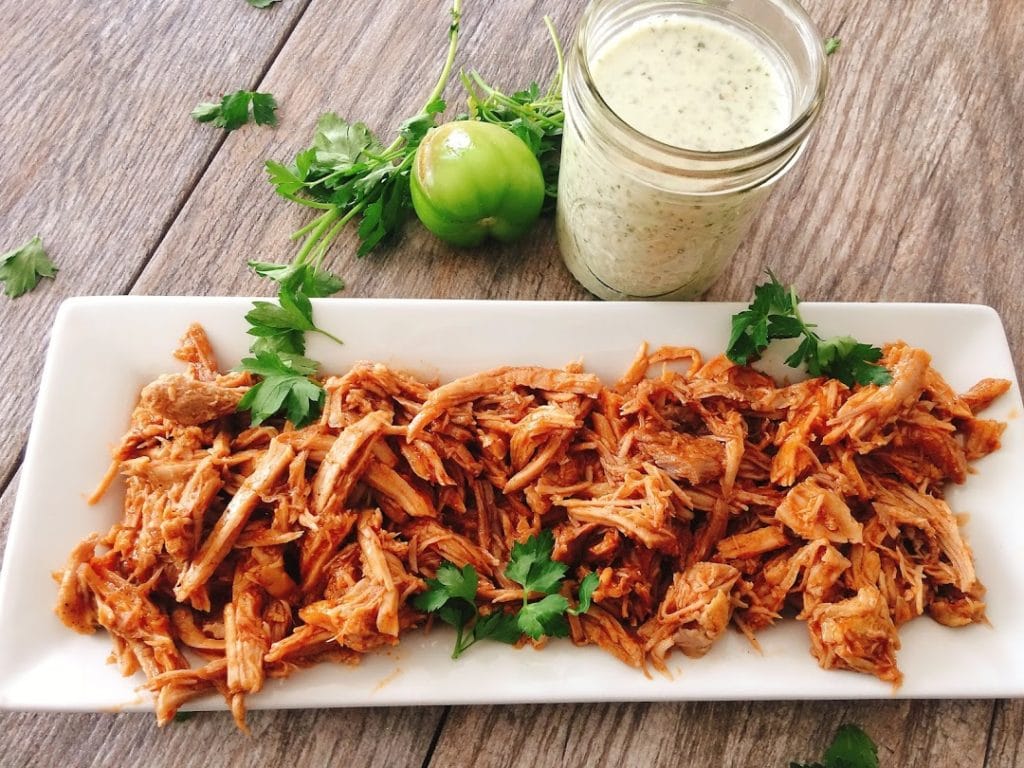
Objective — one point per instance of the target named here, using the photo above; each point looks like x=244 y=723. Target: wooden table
x=911 y=190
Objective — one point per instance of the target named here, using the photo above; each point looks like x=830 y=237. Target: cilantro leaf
x=452 y=596
x=339 y=145
x=314 y=283
x=261 y=3
x=264 y=108
x=280 y=330
x=500 y=626
x=233 y=110
x=774 y=314
x=832 y=45
x=531 y=566
x=282 y=327
x=21 y=268
x=284 y=386
x=458 y=583
x=586 y=593
x=450 y=583
x=544 y=617
x=850 y=748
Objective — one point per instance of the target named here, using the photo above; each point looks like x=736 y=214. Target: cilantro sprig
x=23 y=267
x=348 y=174
x=234 y=110
x=774 y=314
x=286 y=387
x=452 y=596
x=851 y=748
x=536 y=118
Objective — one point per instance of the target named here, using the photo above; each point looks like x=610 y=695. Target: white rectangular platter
x=103 y=350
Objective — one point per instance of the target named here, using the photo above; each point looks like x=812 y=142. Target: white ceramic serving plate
x=103 y=350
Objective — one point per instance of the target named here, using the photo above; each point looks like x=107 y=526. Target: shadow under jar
x=679 y=118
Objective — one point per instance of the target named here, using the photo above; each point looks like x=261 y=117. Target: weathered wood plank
x=99 y=151
x=730 y=735
x=1006 y=740
x=344 y=737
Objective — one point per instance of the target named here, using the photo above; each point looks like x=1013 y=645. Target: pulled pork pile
x=700 y=499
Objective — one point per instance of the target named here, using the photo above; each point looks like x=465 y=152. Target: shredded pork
x=701 y=499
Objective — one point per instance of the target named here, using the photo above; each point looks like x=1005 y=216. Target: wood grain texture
x=911 y=189
x=726 y=734
x=395 y=737
x=1006 y=738
x=99 y=151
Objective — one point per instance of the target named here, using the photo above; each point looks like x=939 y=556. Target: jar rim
x=782 y=139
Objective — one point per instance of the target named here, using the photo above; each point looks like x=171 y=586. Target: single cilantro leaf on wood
x=264 y=109
x=284 y=386
x=234 y=109
x=850 y=748
x=262 y=3
x=774 y=314
x=22 y=268
x=832 y=45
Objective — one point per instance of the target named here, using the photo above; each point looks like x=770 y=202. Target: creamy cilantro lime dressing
x=694 y=83
x=691 y=81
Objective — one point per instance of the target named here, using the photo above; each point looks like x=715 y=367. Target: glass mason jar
x=641 y=219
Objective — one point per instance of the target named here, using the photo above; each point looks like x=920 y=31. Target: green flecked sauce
x=693 y=82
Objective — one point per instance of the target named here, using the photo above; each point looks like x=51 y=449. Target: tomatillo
x=471 y=180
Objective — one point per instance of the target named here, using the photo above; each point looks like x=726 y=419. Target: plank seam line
x=260 y=77
x=436 y=737
x=15 y=466
x=991 y=730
